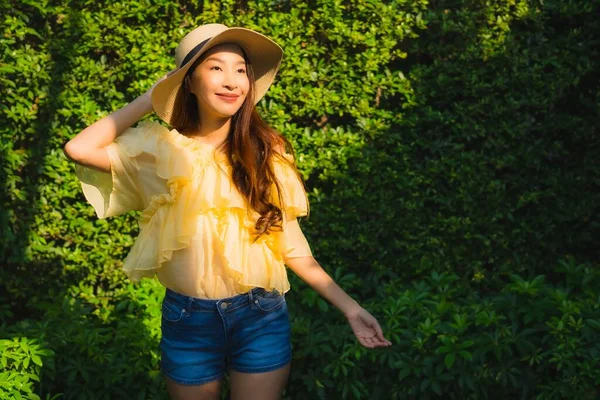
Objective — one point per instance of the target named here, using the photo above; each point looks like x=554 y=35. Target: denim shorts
x=202 y=338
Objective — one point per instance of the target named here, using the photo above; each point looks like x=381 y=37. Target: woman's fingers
x=378 y=332
x=370 y=339
x=380 y=336
x=366 y=342
x=368 y=331
x=169 y=74
x=372 y=343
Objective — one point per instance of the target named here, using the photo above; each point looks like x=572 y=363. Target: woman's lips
x=228 y=98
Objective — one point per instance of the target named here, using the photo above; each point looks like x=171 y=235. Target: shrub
x=450 y=149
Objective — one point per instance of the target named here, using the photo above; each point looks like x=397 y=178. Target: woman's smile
x=228 y=97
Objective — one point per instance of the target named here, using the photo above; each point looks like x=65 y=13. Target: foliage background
x=451 y=151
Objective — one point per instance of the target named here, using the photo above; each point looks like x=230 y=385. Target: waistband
x=194 y=303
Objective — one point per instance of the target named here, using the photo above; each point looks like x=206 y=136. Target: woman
x=219 y=196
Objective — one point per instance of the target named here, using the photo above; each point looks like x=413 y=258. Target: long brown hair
x=251 y=146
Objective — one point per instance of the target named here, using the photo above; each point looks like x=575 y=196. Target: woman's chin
x=226 y=112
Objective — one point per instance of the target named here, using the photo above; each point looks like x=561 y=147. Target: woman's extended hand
x=366 y=329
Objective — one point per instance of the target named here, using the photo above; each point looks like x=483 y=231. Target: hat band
x=193 y=52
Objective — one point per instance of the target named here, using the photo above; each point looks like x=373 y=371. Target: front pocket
x=270 y=301
x=172 y=312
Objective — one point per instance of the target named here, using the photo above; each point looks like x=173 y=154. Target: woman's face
x=220 y=82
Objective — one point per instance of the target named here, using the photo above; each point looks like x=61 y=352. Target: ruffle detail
x=202 y=200
x=294 y=195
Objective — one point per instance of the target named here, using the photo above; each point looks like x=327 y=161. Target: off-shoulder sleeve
x=295 y=202
x=117 y=192
x=294 y=243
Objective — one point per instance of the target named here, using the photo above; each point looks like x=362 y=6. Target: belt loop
x=189 y=305
x=251 y=299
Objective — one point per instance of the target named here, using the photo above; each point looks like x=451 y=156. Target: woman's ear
x=188 y=84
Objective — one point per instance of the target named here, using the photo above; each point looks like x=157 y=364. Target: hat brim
x=264 y=55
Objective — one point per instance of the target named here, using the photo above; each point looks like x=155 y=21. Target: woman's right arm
x=87 y=147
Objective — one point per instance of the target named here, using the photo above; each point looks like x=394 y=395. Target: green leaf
x=36 y=359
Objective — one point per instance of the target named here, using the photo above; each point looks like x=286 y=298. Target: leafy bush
x=450 y=149
x=106 y=347
x=531 y=339
x=21 y=361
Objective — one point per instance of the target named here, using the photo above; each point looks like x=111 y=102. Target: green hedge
x=450 y=149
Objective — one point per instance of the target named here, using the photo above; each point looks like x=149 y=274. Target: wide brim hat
x=263 y=54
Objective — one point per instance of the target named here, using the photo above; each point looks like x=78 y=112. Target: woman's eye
x=241 y=70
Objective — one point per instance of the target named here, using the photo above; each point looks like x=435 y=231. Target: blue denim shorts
x=202 y=338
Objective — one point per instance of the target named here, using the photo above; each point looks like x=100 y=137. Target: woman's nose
x=229 y=81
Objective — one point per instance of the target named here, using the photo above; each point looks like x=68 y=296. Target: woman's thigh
x=208 y=391
x=258 y=386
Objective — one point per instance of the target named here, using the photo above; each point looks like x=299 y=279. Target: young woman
x=220 y=196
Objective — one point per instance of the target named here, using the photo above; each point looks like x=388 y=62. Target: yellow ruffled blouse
x=195 y=227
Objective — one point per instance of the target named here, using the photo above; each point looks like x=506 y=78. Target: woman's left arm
x=363 y=324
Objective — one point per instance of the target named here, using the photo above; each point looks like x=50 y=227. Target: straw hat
x=263 y=53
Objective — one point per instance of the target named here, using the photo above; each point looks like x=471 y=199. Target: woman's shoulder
x=142 y=138
x=152 y=137
x=158 y=150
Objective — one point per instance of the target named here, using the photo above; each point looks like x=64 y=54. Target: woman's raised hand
x=366 y=329
x=148 y=94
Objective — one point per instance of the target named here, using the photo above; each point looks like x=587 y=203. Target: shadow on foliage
x=492 y=171
x=492 y=175
x=27 y=278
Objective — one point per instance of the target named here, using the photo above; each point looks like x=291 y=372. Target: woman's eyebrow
x=213 y=58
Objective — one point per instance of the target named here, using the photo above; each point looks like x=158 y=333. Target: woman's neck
x=211 y=131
